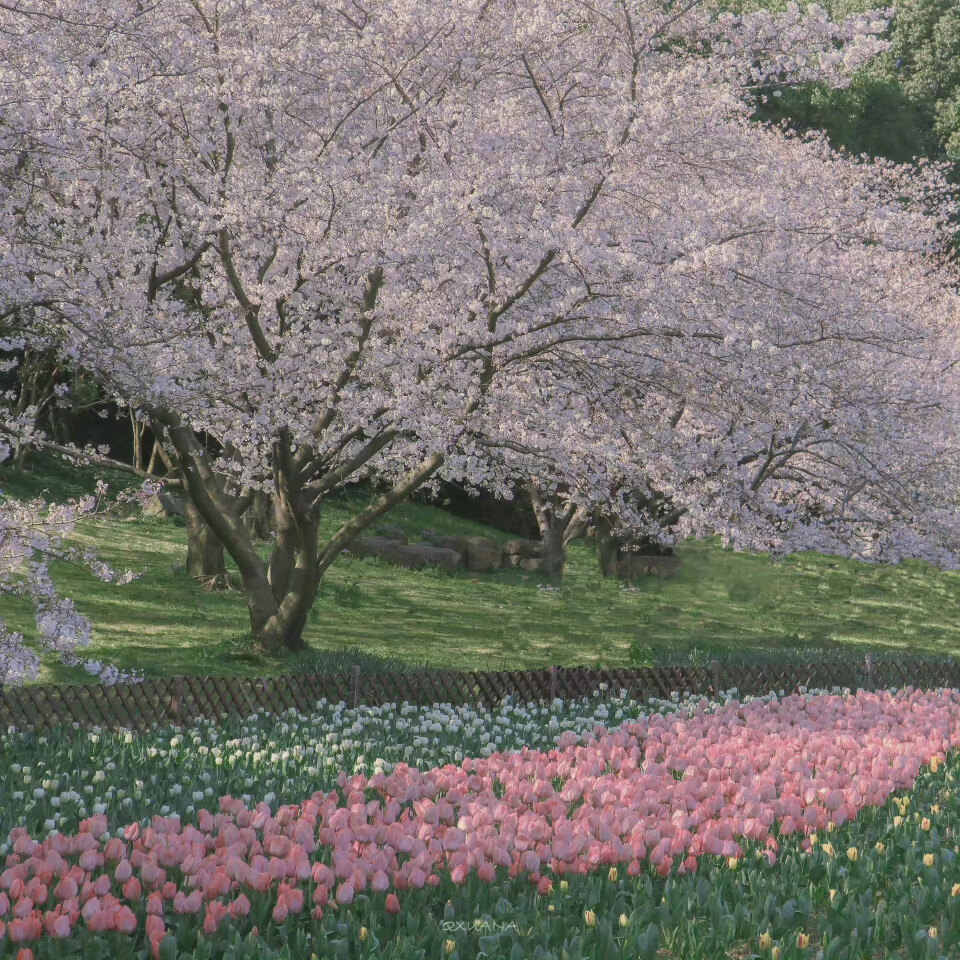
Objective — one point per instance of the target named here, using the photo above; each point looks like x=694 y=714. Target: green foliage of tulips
x=886 y=884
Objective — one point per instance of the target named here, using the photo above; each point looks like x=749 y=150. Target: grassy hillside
x=165 y=624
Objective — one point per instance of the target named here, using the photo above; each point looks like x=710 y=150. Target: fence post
x=869 y=661
x=715 y=670
x=355 y=683
x=553 y=684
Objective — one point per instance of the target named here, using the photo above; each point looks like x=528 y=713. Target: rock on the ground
x=412 y=555
x=391 y=531
x=163 y=504
x=372 y=546
x=517 y=550
x=419 y=555
x=524 y=548
x=479 y=553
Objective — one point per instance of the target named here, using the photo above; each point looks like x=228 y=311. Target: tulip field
x=819 y=824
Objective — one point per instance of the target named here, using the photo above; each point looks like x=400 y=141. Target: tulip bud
x=925 y=824
x=897 y=821
x=932 y=933
x=612 y=875
x=775 y=953
x=364 y=933
x=590 y=918
x=765 y=940
x=879 y=847
x=852 y=854
x=832 y=895
x=624 y=920
x=732 y=863
x=449 y=946
x=955 y=890
x=934 y=763
x=803 y=941
x=928 y=859
x=564 y=886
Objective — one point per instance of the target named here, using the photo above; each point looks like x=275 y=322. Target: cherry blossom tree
x=317 y=241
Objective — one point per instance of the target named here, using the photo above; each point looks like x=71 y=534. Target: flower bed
x=765 y=826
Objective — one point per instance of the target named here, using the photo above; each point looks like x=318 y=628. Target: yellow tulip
x=932 y=933
x=813 y=839
x=364 y=933
x=934 y=763
x=829 y=826
x=624 y=920
x=732 y=863
x=928 y=859
x=827 y=848
x=833 y=893
x=550 y=908
x=879 y=847
x=564 y=886
x=803 y=941
x=449 y=946
x=935 y=808
x=590 y=918
x=775 y=953
x=852 y=854
x=612 y=875
x=955 y=890
x=924 y=824
x=765 y=940
x=897 y=821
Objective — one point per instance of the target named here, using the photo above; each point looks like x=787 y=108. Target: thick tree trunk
x=205 y=560
x=558 y=525
x=553 y=559
x=281 y=593
x=608 y=547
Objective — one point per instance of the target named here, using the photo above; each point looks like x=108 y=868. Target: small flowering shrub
x=783 y=826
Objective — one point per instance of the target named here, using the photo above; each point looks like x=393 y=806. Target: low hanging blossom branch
x=32 y=535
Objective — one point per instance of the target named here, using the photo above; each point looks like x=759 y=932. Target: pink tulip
x=131 y=889
x=126 y=921
x=25 y=930
x=239 y=907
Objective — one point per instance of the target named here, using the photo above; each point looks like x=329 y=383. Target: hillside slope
x=164 y=623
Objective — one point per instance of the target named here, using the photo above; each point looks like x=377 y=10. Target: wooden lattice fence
x=180 y=700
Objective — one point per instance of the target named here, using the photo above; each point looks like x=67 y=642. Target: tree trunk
x=553 y=558
x=205 y=561
x=558 y=525
x=258 y=517
x=608 y=547
x=154 y=457
x=280 y=594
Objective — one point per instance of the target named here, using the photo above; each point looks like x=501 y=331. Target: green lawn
x=166 y=624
